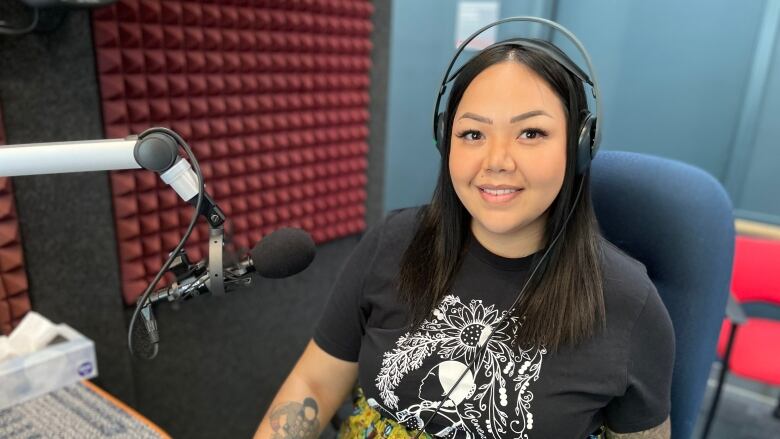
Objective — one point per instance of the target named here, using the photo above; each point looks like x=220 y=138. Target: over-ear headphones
x=590 y=127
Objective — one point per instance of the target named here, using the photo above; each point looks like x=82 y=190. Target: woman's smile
x=499 y=194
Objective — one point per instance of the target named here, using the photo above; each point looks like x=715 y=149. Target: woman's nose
x=498 y=157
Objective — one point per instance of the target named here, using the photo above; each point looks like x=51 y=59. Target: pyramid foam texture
x=272 y=97
x=14 y=297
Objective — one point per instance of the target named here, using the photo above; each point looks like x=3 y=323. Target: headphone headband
x=589 y=79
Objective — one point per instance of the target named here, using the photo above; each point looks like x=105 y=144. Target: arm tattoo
x=294 y=420
x=663 y=431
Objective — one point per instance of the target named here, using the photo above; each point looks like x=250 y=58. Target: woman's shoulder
x=615 y=261
x=390 y=236
x=405 y=217
x=627 y=285
x=634 y=309
x=399 y=224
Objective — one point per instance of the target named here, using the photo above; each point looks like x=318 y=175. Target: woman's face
x=508 y=155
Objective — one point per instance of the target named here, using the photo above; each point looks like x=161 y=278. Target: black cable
x=7 y=30
x=145 y=297
x=480 y=350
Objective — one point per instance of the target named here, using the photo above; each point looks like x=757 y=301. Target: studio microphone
x=283 y=253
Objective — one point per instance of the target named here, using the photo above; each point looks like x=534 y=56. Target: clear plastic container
x=71 y=358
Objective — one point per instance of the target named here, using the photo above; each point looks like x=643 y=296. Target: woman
x=422 y=313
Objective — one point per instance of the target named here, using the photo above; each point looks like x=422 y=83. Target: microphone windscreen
x=142 y=342
x=283 y=253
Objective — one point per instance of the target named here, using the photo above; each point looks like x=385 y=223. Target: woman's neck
x=514 y=244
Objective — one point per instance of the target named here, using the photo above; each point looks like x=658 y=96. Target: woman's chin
x=498 y=227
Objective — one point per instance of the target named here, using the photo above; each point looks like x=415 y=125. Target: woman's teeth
x=498 y=191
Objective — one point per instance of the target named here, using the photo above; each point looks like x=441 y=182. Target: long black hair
x=564 y=303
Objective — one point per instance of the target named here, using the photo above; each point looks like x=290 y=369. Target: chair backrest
x=677 y=220
x=756 y=270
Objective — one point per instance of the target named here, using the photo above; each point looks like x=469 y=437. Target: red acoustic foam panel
x=271 y=96
x=14 y=297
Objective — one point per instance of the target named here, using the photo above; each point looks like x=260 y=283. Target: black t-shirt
x=621 y=377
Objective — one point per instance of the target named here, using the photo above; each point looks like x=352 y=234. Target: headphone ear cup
x=586 y=150
x=441 y=121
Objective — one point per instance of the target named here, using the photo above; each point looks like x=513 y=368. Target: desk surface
x=79 y=411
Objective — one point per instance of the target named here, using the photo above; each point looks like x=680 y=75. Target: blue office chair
x=677 y=220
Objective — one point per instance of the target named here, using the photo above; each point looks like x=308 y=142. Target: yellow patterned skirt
x=366 y=422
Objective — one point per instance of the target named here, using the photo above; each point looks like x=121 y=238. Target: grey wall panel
x=380 y=60
x=673 y=79
x=756 y=185
x=421 y=43
x=49 y=93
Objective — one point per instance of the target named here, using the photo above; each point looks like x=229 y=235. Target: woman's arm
x=663 y=431
x=309 y=397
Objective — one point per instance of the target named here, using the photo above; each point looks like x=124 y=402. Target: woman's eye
x=470 y=135
x=533 y=134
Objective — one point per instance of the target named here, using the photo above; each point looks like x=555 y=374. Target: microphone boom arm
x=64 y=157
x=155 y=152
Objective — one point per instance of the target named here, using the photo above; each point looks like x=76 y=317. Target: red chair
x=749 y=343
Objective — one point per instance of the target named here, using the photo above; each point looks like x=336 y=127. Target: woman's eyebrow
x=477 y=117
x=527 y=115
x=515 y=119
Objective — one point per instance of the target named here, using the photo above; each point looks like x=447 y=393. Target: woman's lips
x=498 y=195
